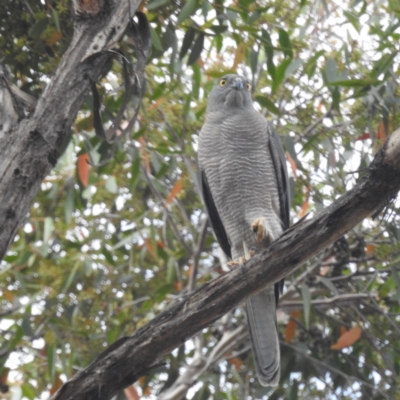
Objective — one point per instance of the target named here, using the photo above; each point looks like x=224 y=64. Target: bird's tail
x=261 y=314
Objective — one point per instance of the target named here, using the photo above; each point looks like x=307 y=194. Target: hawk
x=245 y=188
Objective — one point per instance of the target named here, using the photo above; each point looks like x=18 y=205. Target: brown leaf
x=178 y=286
x=131 y=393
x=381 y=131
x=292 y=164
x=54 y=38
x=56 y=385
x=291 y=326
x=239 y=55
x=145 y=154
x=348 y=338
x=174 y=191
x=236 y=362
x=370 y=248
x=83 y=169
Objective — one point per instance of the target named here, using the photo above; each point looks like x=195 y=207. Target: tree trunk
x=30 y=149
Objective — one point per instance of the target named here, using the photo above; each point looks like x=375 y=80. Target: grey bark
x=29 y=149
x=131 y=357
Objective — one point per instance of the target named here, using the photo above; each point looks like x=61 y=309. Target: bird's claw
x=236 y=263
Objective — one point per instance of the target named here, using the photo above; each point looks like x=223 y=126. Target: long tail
x=261 y=314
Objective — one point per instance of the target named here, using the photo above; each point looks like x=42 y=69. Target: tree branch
x=131 y=357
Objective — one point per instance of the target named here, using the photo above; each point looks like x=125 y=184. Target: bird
x=245 y=188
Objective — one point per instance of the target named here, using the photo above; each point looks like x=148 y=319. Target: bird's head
x=230 y=92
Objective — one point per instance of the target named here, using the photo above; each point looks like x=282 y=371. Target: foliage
x=106 y=247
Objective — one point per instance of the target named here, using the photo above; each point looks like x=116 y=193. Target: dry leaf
x=348 y=338
x=292 y=164
x=54 y=38
x=83 y=169
x=56 y=385
x=291 y=326
x=236 y=362
x=174 y=191
x=239 y=55
x=370 y=248
x=381 y=131
x=131 y=393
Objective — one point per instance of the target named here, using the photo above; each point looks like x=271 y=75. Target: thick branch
x=30 y=149
x=131 y=357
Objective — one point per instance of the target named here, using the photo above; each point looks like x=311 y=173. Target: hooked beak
x=238 y=84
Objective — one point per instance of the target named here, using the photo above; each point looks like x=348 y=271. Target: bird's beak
x=238 y=84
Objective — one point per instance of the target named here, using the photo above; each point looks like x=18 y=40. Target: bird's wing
x=279 y=159
x=213 y=215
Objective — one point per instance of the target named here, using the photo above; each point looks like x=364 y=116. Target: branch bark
x=131 y=357
x=29 y=149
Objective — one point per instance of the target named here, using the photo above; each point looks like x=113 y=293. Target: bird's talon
x=236 y=263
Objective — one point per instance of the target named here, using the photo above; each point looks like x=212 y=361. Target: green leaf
x=187 y=42
x=353 y=19
x=328 y=283
x=197 y=49
x=111 y=185
x=56 y=19
x=253 y=61
x=268 y=104
x=48 y=229
x=269 y=50
x=353 y=83
x=155 y=39
x=51 y=361
x=156 y=3
x=284 y=41
x=330 y=70
x=196 y=80
x=306 y=295
x=188 y=9
x=39 y=27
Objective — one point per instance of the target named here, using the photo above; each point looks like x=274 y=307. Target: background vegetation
x=118 y=229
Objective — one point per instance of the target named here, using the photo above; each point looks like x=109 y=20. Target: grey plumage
x=245 y=188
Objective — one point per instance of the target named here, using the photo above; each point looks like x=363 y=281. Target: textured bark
x=131 y=357
x=29 y=149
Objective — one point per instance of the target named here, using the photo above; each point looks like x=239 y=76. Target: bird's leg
x=247 y=255
x=259 y=227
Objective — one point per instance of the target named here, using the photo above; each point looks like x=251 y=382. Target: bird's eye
x=248 y=86
x=222 y=82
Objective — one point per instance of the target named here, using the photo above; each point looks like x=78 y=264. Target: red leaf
x=348 y=338
x=365 y=136
x=131 y=393
x=291 y=326
x=83 y=169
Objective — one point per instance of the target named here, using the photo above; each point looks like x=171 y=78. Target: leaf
x=38 y=27
x=268 y=104
x=51 y=361
x=381 y=135
x=292 y=163
x=188 y=9
x=306 y=295
x=187 y=42
x=197 y=49
x=239 y=55
x=253 y=61
x=353 y=83
x=131 y=393
x=56 y=385
x=236 y=362
x=329 y=284
x=330 y=70
x=83 y=169
x=53 y=38
x=156 y=3
x=284 y=41
x=48 y=229
x=348 y=338
x=155 y=39
x=174 y=191
x=291 y=326
x=111 y=185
